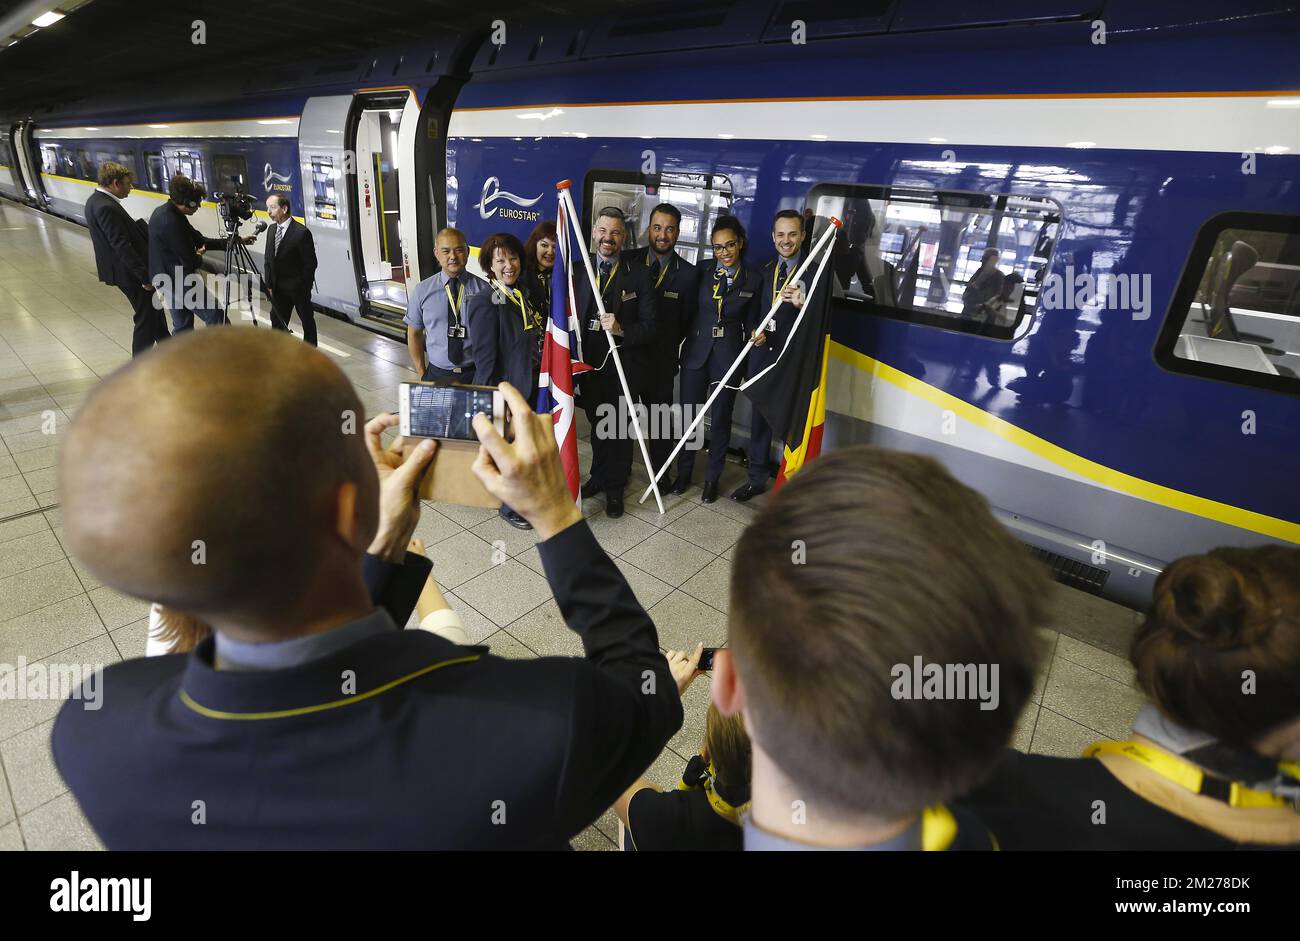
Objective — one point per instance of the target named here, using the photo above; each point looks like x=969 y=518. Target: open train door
x=326 y=165
x=386 y=122
x=27 y=164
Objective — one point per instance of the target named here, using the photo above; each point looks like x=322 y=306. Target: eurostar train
x=1120 y=179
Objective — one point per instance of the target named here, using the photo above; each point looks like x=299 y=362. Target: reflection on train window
x=700 y=197
x=1236 y=314
x=103 y=156
x=50 y=159
x=972 y=262
x=156 y=168
x=188 y=162
x=231 y=173
x=325 y=199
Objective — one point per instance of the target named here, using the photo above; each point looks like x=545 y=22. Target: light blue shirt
x=429 y=311
x=281 y=655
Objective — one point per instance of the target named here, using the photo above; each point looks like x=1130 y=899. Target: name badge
x=744 y=294
x=594 y=324
x=671 y=295
x=456 y=332
x=629 y=295
x=719 y=331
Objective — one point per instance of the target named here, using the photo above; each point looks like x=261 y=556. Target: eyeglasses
x=730 y=246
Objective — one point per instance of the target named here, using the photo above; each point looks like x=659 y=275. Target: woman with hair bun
x=1213 y=761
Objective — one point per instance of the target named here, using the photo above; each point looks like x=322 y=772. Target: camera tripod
x=240 y=264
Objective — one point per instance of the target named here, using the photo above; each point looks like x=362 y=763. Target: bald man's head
x=207 y=474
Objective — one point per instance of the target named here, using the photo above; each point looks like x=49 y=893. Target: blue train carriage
x=1123 y=388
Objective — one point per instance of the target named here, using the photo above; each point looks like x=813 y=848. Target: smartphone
x=447 y=411
x=706 y=659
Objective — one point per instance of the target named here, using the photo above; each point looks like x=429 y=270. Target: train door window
x=156 y=171
x=230 y=173
x=324 y=191
x=6 y=154
x=700 y=197
x=379 y=200
x=188 y=162
x=972 y=262
x=1236 y=313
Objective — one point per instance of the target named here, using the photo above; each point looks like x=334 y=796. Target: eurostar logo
x=269 y=176
x=492 y=191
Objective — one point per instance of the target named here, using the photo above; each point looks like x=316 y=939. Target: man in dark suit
x=308 y=720
x=175 y=251
x=121 y=253
x=729 y=295
x=675 y=283
x=777 y=276
x=290 y=268
x=629 y=300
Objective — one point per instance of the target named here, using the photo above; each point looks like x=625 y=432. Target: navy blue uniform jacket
x=437 y=747
x=675 y=301
x=739 y=317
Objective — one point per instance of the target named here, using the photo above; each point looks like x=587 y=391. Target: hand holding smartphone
x=447 y=412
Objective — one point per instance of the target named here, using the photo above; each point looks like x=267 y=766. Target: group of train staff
x=664 y=312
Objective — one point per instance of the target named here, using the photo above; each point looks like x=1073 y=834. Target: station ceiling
x=110 y=42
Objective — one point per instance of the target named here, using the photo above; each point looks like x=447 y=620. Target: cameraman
x=175 y=249
x=289 y=269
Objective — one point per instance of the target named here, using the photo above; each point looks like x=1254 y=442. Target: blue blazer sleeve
x=484 y=342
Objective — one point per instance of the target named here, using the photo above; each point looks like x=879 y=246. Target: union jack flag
x=561 y=357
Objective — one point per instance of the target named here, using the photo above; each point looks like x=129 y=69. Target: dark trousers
x=183 y=313
x=657 y=397
x=282 y=307
x=149 y=322
x=611 y=452
x=759 y=450
x=433 y=374
x=696 y=386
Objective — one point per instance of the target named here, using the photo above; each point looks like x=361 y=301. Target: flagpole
x=572 y=212
x=822 y=243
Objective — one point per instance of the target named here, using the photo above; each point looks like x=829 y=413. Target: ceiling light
x=47 y=19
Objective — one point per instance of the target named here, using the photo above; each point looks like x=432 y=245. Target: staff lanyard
x=776 y=273
x=454 y=304
x=1190 y=777
x=610 y=280
x=663 y=267
x=516 y=296
x=717 y=280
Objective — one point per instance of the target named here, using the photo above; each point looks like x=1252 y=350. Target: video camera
x=233 y=208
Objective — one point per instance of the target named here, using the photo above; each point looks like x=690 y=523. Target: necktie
x=455 y=344
x=654 y=270
x=785 y=272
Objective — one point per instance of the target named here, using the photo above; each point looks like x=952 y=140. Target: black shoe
x=710 y=491
x=680 y=485
x=591 y=488
x=746 y=493
x=613 y=504
x=513 y=518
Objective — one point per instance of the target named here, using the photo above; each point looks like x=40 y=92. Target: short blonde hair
x=110 y=173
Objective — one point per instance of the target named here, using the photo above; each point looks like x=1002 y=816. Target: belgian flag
x=792 y=394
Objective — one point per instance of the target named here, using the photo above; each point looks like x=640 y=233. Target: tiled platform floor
x=60 y=331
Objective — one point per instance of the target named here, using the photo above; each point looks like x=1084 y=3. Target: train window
x=1236 y=313
x=6 y=154
x=230 y=173
x=971 y=262
x=155 y=171
x=67 y=163
x=50 y=160
x=700 y=197
x=86 y=166
x=188 y=162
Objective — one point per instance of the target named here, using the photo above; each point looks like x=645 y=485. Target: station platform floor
x=61 y=331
